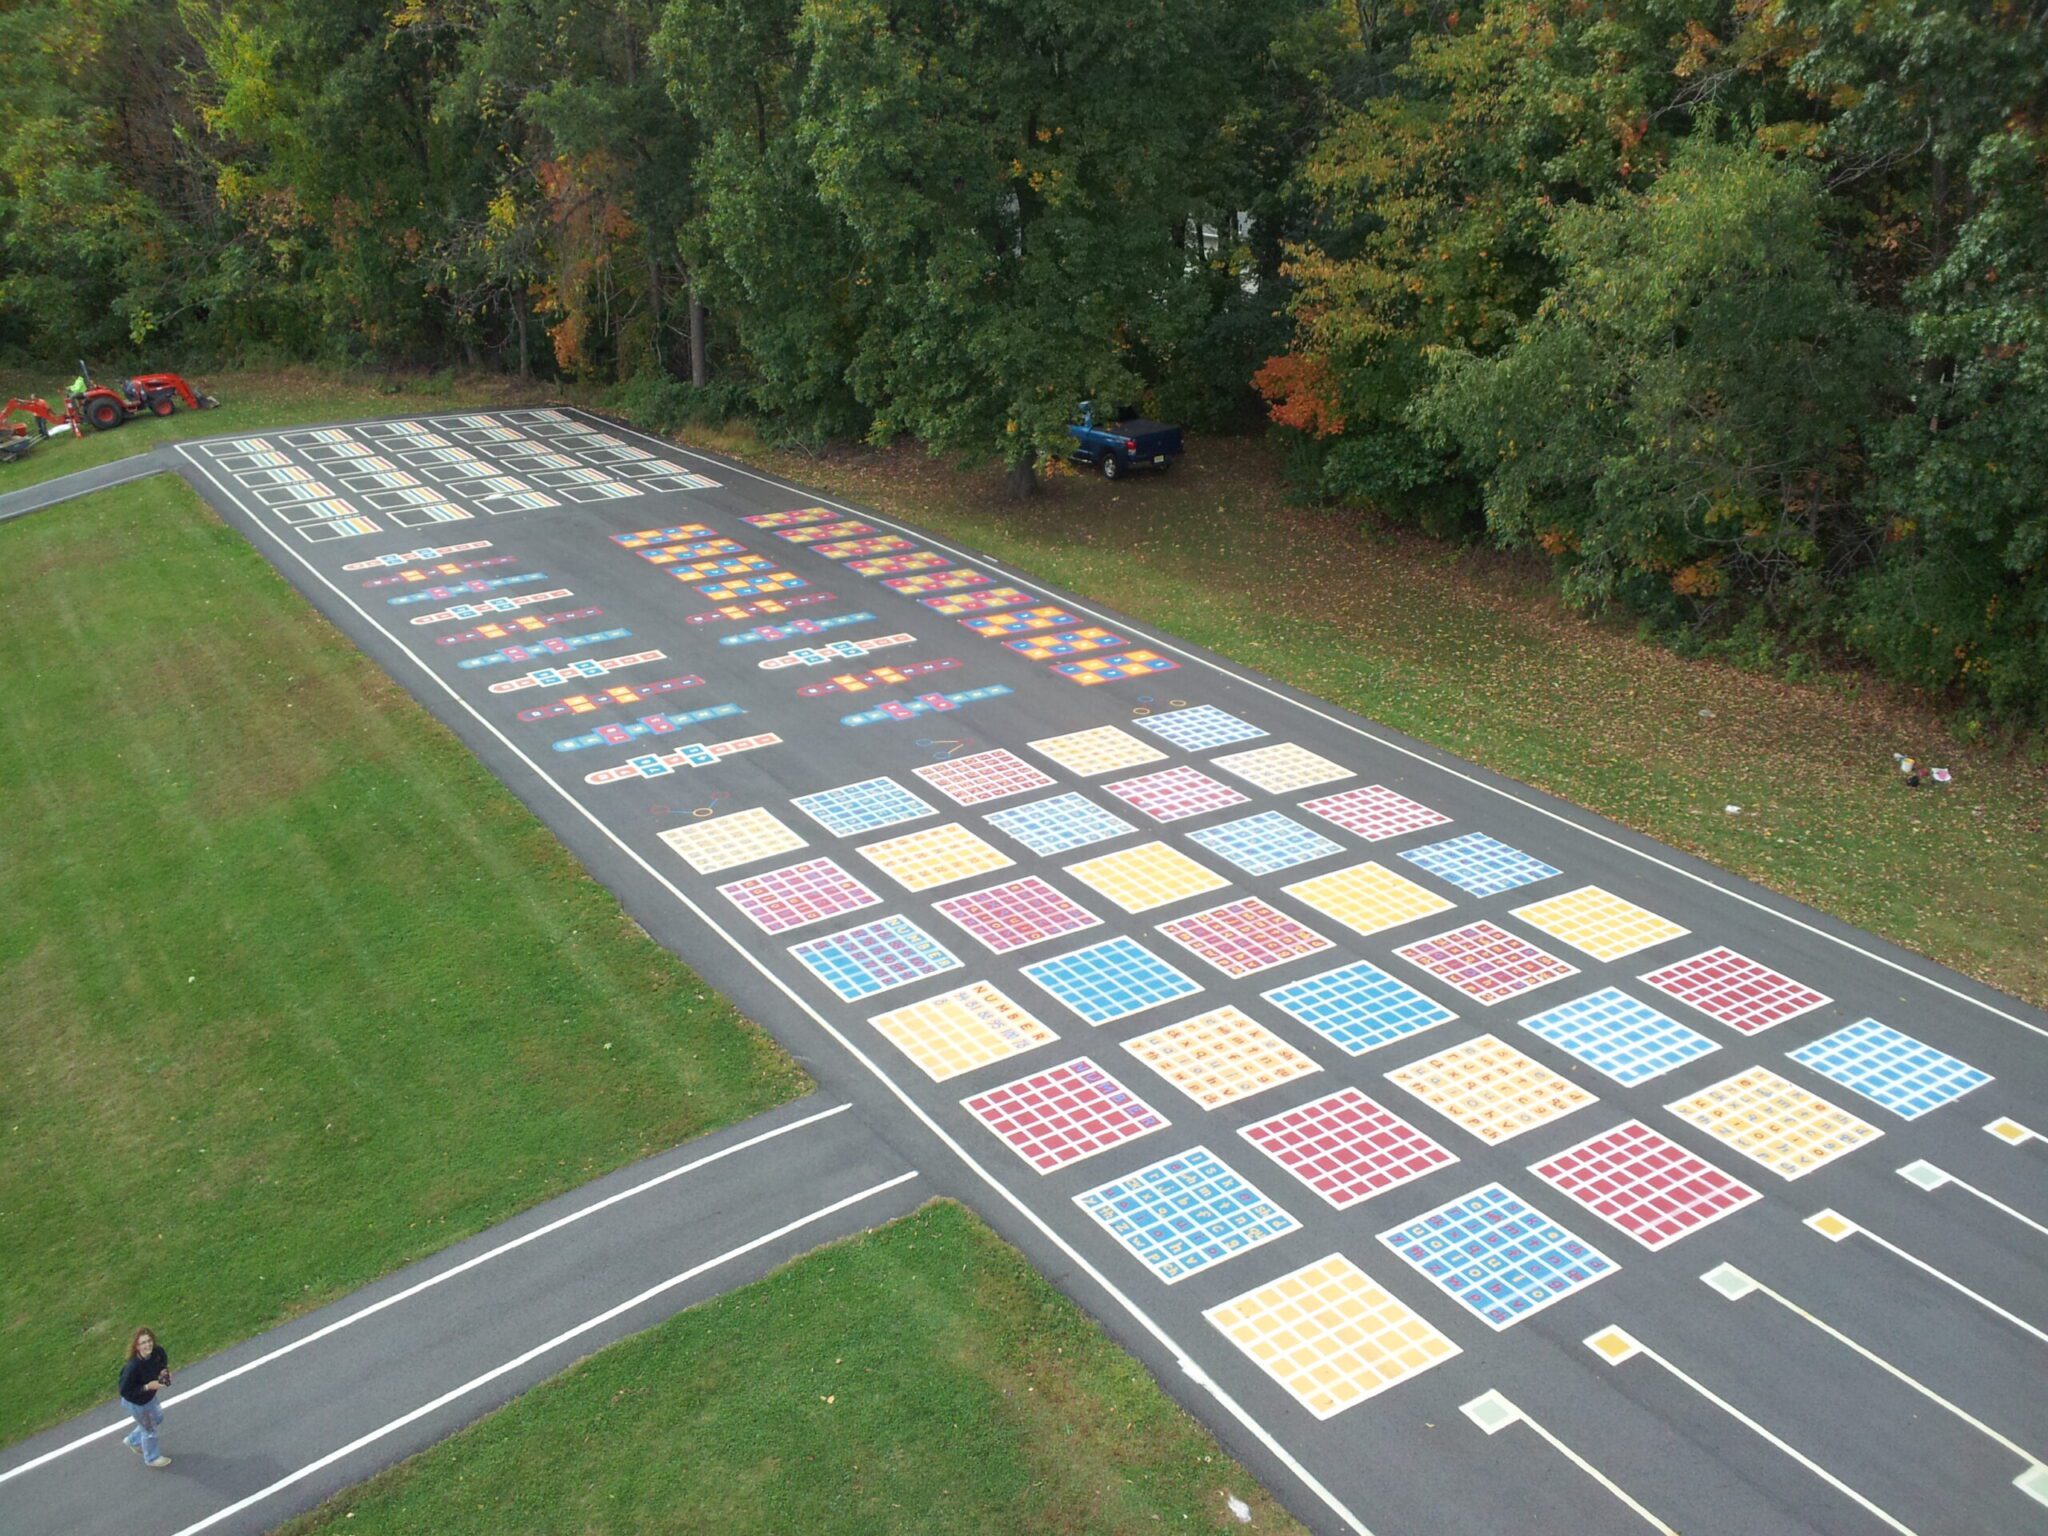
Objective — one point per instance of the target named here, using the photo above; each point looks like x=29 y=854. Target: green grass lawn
x=920 y=1378
x=295 y=992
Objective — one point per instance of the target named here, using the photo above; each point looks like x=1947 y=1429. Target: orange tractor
x=99 y=406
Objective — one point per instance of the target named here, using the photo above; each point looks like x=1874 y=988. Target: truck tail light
x=1130 y=445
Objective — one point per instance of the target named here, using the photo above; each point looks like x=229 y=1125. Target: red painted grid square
x=1735 y=990
x=1346 y=1147
x=1644 y=1183
x=1064 y=1114
x=1174 y=793
x=804 y=893
x=983 y=776
x=1485 y=962
x=1020 y=912
x=1241 y=938
x=1374 y=812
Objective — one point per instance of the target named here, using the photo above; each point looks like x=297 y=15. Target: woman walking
x=145 y=1373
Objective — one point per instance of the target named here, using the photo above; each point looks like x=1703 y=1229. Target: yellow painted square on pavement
x=1220 y=1056
x=1490 y=1088
x=936 y=856
x=1147 y=876
x=1101 y=750
x=1282 y=768
x=1330 y=1335
x=1367 y=897
x=960 y=1030
x=1599 y=922
x=1775 y=1122
x=722 y=842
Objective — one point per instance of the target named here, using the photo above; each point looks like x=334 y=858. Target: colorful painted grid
x=1359 y=1007
x=877 y=677
x=1367 y=898
x=1486 y=962
x=1479 y=865
x=525 y=624
x=792 y=519
x=864 y=807
x=845 y=529
x=1059 y=825
x=1173 y=794
x=875 y=957
x=848 y=549
x=1347 y=1147
x=1644 y=1183
x=1199 y=727
x=1017 y=914
x=1219 y=1057
x=1611 y=1032
x=1599 y=922
x=1063 y=1114
x=1244 y=937
x=1330 y=1336
x=691 y=754
x=983 y=776
x=1282 y=767
x=953 y=604
x=803 y=893
x=897 y=565
x=605 y=698
x=1374 y=812
x=1021 y=622
x=937 y=581
x=1091 y=671
x=1490 y=1088
x=1147 y=876
x=1734 y=990
x=699 y=549
x=1071 y=642
x=1774 y=1122
x=1185 y=1213
x=925 y=704
x=1101 y=750
x=1111 y=980
x=1265 y=843
x=961 y=1030
x=724 y=842
x=1889 y=1068
x=1495 y=1254
x=734 y=612
x=751 y=586
x=939 y=855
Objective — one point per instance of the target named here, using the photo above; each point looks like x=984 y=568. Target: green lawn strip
x=919 y=1378
x=295 y=992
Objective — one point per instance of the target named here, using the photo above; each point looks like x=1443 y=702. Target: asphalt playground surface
x=1462 y=1160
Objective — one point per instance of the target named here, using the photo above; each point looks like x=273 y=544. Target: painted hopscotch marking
x=417 y=574
x=1091 y=671
x=407 y=557
x=525 y=624
x=786 y=631
x=465 y=588
x=493 y=605
x=554 y=645
x=617 y=734
x=617 y=694
x=736 y=612
x=695 y=754
x=925 y=704
x=550 y=677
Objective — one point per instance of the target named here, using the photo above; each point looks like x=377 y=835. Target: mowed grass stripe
x=294 y=991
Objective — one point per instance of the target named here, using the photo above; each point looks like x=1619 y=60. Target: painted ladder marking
x=1834 y=1226
x=1931 y=1178
x=1492 y=1412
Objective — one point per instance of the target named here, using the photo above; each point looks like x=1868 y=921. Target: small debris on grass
x=1706 y=714
x=1239 y=1508
x=1732 y=810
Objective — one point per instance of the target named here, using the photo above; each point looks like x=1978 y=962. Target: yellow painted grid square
x=935 y=856
x=1490 y=1088
x=960 y=1030
x=722 y=842
x=1775 y=1122
x=1282 y=767
x=1147 y=876
x=1367 y=897
x=1599 y=922
x=1330 y=1335
x=1220 y=1056
x=1101 y=750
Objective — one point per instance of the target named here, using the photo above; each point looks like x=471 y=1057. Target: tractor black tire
x=163 y=404
x=104 y=414
x=1112 y=467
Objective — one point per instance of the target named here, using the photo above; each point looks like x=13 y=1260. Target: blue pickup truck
x=1129 y=442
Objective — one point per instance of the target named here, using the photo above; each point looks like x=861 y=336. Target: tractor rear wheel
x=105 y=414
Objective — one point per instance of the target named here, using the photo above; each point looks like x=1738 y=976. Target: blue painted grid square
x=1185 y=1213
x=1053 y=826
x=1359 y=1007
x=862 y=807
x=1111 y=980
x=1269 y=841
x=1496 y=1255
x=1480 y=864
x=1896 y=1071
x=1613 y=1033
x=875 y=957
x=1203 y=726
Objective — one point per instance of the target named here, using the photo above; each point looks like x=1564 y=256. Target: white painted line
x=431 y=1281
x=1002 y=1191
x=1636 y=1347
x=1834 y=1226
x=1931 y=1178
x=536 y=1352
x=1719 y=1279
x=1166 y=644
x=1493 y=1412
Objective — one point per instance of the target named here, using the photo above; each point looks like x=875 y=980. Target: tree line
x=1734 y=310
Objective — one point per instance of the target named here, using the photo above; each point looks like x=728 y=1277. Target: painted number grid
x=1282 y=768
x=1147 y=876
x=1174 y=794
x=1479 y=865
x=1774 y=1122
x=940 y=855
x=1644 y=1183
x=1493 y=1253
x=1734 y=990
x=1490 y=1088
x=1064 y=1114
x=1185 y=1213
x=1244 y=937
x=1890 y=1069
x=1219 y=1057
x=1198 y=728
x=1012 y=916
x=875 y=957
x=1374 y=812
x=862 y=807
x=804 y=893
x=1367 y=898
x=983 y=776
x=1111 y=980
x=1058 y=825
x=1347 y=1147
x=1611 y=1032
x=722 y=842
x=1101 y=750
x=1486 y=962
x=1266 y=843
x=1600 y=923
x=1359 y=1007
x=958 y=1031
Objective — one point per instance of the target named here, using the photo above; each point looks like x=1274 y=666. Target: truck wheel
x=104 y=414
x=1111 y=468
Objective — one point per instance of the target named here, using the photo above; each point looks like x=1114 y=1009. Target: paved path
x=1566 y=1148
x=442 y=1342
x=47 y=493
